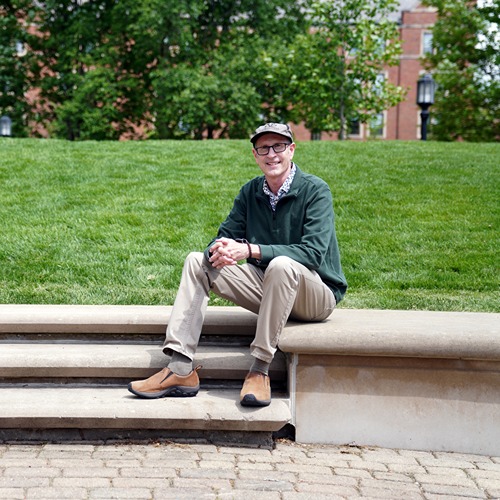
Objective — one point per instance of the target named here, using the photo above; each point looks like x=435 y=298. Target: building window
x=380 y=46
x=376 y=124
x=379 y=83
x=377 y=46
x=354 y=127
x=427 y=43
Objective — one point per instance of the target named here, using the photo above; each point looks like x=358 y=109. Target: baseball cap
x=272 y=128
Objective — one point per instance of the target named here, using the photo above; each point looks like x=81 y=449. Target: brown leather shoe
x=167 y=383
x=256 y=390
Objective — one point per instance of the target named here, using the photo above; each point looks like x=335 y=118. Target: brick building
x=402 y=121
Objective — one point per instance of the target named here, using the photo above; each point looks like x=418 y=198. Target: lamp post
x=426 y=87
x=5 y=126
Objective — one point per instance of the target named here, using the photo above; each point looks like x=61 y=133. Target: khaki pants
x=285 y=289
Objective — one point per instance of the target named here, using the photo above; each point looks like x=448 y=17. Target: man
x=282 y=224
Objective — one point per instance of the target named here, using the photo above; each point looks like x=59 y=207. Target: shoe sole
x=251 y=400
x=177 y=391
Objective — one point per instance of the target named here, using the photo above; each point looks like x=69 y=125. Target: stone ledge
x=418 y=334
x=359 y=332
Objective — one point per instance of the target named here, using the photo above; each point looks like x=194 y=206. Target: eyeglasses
x=277 y=148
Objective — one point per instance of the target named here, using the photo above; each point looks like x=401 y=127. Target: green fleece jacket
x=302 y=227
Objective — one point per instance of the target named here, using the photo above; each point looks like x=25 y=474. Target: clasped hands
x=227 y=252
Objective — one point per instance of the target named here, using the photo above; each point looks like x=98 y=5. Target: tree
x=197 y=102
x=93 y=111
x=14 y=61
x=215 y=81
x=466 y=67
x=71 y=58
x=191 y=67
x=332 y=75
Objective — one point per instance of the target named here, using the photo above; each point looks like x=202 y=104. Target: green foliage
x=193 y=101
x=14 y=80
x=103 y=65
x=334 y=70
x=71 y=47
x=93 y=111
x=215 y=81
x=195 y=68
x=111 y=222
x=466 y=66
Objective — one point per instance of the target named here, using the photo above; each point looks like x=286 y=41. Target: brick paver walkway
x=201 y=471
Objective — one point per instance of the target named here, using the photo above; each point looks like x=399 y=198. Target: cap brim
x=256 y=136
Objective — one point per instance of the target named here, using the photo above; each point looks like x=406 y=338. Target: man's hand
x=227 y=252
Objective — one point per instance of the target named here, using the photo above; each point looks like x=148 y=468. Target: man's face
x=275 y=166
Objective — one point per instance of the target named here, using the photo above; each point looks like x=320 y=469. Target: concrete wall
x=421 y=404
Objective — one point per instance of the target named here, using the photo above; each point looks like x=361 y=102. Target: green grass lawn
x=111 y=222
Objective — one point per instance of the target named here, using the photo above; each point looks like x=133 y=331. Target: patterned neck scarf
x=274 y=198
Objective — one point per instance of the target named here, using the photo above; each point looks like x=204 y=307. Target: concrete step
x=36 y=407
x=44 y=361
x=64 y=369
x=112 y=319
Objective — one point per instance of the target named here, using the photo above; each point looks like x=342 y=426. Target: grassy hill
x=111 y=222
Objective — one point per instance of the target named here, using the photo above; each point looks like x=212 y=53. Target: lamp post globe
x=426 y=87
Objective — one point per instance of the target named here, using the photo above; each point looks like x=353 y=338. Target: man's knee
x=193 y=264
x=194 y=259
x=282 y=264
x=283 y=272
